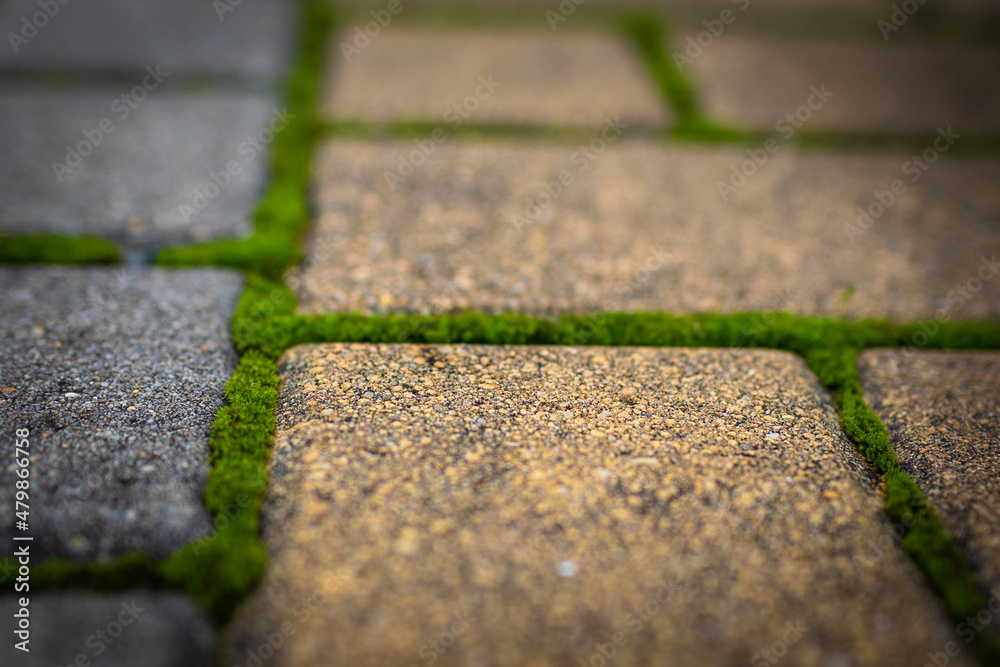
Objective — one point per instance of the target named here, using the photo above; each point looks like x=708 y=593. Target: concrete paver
x=942 y=411
x=244 y=39
x=515 y=227
x=776 y=85
x=514 y=506
x=147 y=171
x=118 y=375
x=455 y=76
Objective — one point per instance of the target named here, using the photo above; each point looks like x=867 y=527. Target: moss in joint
x=57 y=249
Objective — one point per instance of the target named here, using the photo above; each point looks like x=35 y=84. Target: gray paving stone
x=456 y=76
x=118 y=375
x=544 y=506
x=132 y=629
x=247 y=39
x=142 y=166
x=873 y=86
x=642 y=227
x=942 y=411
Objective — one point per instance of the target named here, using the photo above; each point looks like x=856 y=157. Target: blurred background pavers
x=526 y=505
x=118 y=374
x=942 y=411
x=769 y=84
x=235 y=39
x=144 y=122
x=475 y=76
x=157 y=176
x=131 y=629
x=514 y=227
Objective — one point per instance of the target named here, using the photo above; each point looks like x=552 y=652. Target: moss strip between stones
x=57 y=249
x=830 y=347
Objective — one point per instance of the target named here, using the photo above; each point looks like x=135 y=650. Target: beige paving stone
x=542 y=505
x=942 y=411
x=642 y=227
x=881 y=87
x=455 y=76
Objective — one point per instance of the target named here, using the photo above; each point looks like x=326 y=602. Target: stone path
x=472 y=504
x=638 y=227
x=537 y=496
x=120 y=374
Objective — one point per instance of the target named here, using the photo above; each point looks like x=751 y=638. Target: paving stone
x=454 y=75
x=874 y=87
x=139 y=169
x=642 y=228
x=118 y=375
x=132 y=629
x=523 y=505
x=942 y=411
x=254 y=39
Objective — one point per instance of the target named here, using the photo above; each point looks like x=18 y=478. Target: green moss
x=220 y=570
x=647 y=33
x=57 y=249
x=924 y=536
x=469 y=131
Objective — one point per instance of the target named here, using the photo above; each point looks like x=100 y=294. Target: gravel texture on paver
x=528 y=505
x=873 y=86
x=134 y=184
x=242 y=39
x=942 y=411
x=118 y=375
x=641 y=228
x=459 y=76
x=131 y=629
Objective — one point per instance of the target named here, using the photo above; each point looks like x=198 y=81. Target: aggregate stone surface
x=146 y=177
x=544 y=505
x=942 y=411
x=876 y=86
x=242 y=39
x=548 y=230
x=533 y=77
x=131 y=629
x=118 y=375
